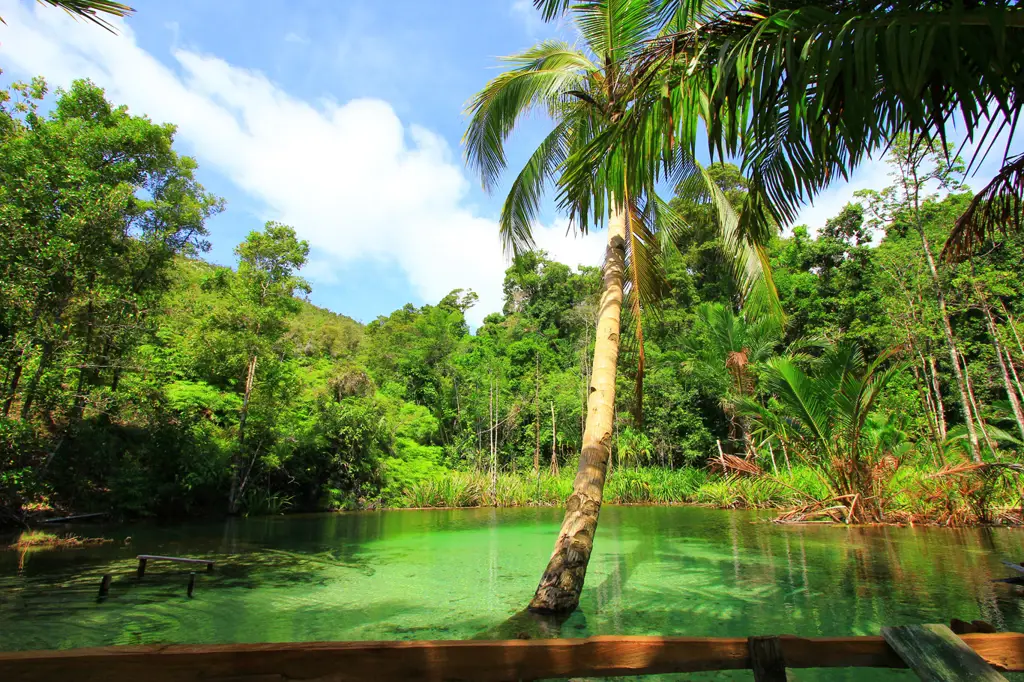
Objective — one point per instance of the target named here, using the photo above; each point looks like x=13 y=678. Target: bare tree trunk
x=1011 y=390
x=536 y=421
x=1013 y=327
x=1013 y=370
x=494 y=444
x=554 y=441
x=562 y=581
x=977 y=410
x=235 y=494
x=953 y=352
x=933 y=417
x=940 y=408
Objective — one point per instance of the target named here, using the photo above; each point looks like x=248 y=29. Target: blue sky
x=342 y=118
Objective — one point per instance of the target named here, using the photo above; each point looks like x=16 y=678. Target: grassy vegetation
x=39 y=539
x=914 y=495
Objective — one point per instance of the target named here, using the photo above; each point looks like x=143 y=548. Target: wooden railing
x=471 y=660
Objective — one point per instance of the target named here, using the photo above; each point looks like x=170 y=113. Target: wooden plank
x=473 y=659
x=767 y=659
x=937 y=655
x=180 y=560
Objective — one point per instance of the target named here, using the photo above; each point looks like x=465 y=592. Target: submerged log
x=473 y=659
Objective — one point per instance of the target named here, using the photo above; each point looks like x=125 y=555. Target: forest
x=138 y=379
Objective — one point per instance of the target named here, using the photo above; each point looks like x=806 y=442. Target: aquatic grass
x=552 y=490
x=720 y=492
x=762 y=492
x=628 y=486
x=805 y=480
x=911 y=494
x=39 y=539
x=260 y=502
x=455 y=489
x=512 y=491
x=36 y=538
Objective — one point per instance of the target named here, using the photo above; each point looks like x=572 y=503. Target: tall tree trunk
x=933 y=418
x=234 y=496
x=536 y=421
x=947 y=329
x=940 y=407
x=1013 y=370
x=977 y=410
x=562 y=581
x=1013 y=326
x=554 y=440
x=494 y=445
x=1011 y=390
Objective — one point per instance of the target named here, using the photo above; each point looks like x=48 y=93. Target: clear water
x=462 y=574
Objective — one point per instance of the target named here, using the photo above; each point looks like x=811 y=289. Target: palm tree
x=91 y=10
x=728 y=351
x=828 y=416
x=804 y=90
x=599 y=107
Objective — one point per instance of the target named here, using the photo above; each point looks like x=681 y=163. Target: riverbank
x=912 y=495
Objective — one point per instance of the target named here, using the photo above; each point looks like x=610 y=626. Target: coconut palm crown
x=603 y=109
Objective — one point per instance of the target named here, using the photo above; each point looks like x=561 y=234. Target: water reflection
x=460 y=574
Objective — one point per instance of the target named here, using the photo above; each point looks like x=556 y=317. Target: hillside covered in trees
x=141 y=380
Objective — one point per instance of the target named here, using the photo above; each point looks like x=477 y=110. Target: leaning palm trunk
x=562 y=582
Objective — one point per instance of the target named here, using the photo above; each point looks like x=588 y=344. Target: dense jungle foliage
x=139 y=379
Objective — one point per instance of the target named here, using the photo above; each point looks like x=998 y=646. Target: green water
x=461 y=574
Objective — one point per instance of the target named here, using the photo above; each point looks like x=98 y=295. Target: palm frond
x=541 y=77
x=804 y=92
x=799 y=394
x=751 y=267
x=523 y=201
x=614 y=29
x=90 y=10
x=999 y=207
x=646 y=283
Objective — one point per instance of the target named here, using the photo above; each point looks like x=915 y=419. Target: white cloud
x=827 y=204
x=876 y=174
x=528 y=15
x=565 y=245
x=352 y=178
x=293 y=37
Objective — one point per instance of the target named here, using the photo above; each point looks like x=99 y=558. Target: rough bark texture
x=560 y=586
x=947 y=329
